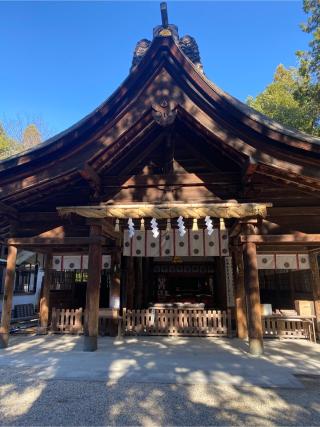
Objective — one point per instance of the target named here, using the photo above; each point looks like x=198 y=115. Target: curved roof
x=127 y=115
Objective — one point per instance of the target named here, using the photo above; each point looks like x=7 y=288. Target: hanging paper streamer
x=182 y=228
x=168 y=224
x=130 y=227
x=142 y=225
x=209 y=225
x=155 y=229
x=117 y=225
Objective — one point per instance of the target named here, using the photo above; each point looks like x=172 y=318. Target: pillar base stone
x=255 y=347
x=90 y=343
x=4 y=340
x=42 y=330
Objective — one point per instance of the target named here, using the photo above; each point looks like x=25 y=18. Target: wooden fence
x=66 y=320
x=192 y=322
x=275 y=327
x=175 y=321
x=72 y=321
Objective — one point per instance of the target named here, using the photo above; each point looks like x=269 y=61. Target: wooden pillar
x=241 y=311
x=130 y=282
x=7 y=296
x=123 y=282
x=221 y=291
x=315 y=277
x=93 y=290
x=138 y=283
x=45 y=298
x=147 y=280
x=251 y=284
x=114 y=294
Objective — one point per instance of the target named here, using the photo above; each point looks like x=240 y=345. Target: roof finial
x=164 y=14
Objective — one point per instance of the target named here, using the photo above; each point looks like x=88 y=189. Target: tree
x=293 y=97
x=31 y=136
x=282 y=100
x=310 y=60
x=8 y=146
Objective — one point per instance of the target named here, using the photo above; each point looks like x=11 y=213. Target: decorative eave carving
x=165 y=112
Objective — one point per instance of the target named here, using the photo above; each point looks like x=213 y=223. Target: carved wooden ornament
x=164 y=113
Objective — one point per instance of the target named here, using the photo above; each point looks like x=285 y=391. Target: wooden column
x=241 y=311
x=251 y=285
x=221 y=291
x=45 y=297
x=138 y=294
x=147 y=279
x=130 y=283
x=7 y=296
x=315 y=277
x=114 y=294
x=123 y=282
x=93 y=290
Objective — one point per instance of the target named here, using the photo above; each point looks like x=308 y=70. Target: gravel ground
x=27 y=401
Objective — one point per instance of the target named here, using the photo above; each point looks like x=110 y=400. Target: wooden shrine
x=197 y=199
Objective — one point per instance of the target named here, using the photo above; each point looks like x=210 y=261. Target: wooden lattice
x=176 y=321
x=66 y=320
x=275 y=327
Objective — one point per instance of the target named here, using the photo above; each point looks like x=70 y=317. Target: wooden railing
x=72 y=321
x=286 y=327
x=194 y=322
x=66 y=320
x=175 y=321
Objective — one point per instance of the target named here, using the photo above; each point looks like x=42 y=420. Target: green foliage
x=310 y=60
x=9 y=146
x=293 y=97
x=288 y=101
x=308 y=93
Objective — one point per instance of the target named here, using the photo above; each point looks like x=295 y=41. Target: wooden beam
x=235 y=228
x=248 y=171
x=294 y=211
x=108 y=230
x=202 y=158
x=306 y=239
x=169 y=153
x=106 y=226
x=183 y=179
x=8 y=210
x=55 y=241
x=308 y=186
x=91 y=176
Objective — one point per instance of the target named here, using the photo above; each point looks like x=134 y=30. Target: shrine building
x=173 y=209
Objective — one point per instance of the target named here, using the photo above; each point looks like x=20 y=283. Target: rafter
x=92 y=178
x=8 y=211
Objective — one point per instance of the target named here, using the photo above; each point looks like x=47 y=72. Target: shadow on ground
x=157 y=381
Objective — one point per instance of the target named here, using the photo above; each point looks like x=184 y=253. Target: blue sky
x=60 y=60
